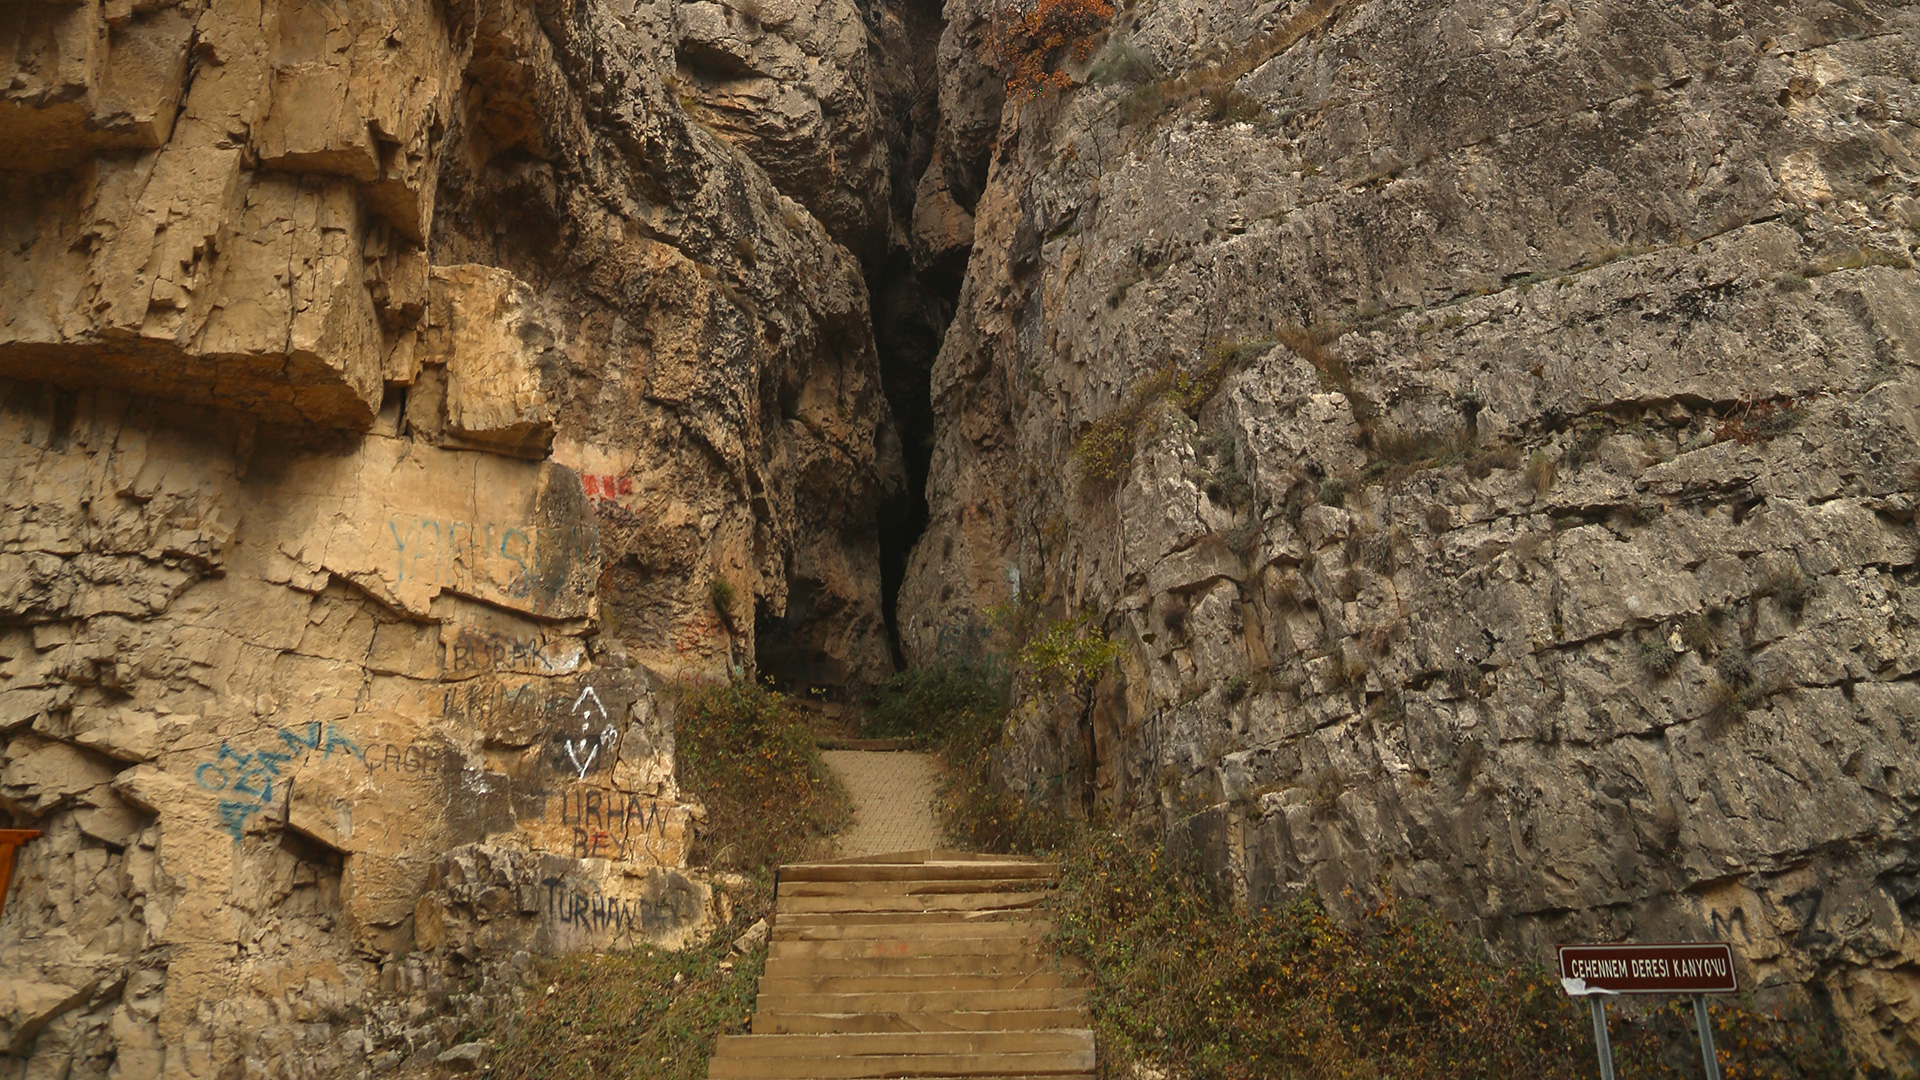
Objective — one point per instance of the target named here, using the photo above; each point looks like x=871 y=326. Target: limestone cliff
x=385 y=389
x=1491 y=432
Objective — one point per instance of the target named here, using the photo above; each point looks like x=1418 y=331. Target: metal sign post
x=1601 y=1044
x=1696 y=968
x=1708 y=1054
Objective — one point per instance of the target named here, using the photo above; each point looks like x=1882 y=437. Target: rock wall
x=1509 y=423
x=385 y=393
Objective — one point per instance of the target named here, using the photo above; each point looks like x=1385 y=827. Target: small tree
x=1025 y=40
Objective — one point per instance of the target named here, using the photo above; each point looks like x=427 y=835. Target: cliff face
x=383 y=391
x=1491 y=433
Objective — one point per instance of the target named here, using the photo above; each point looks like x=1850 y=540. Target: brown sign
x=1699 y=967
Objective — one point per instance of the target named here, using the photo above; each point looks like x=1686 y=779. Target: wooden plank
x=914 y=887
x=774 y=1023
x=953 y=870
x=1055 y=1063
x=914 y=1042
x=922 y=855
x=926 y=1001
x=896 y=947
x=908 y=903
x=776 y=985
x=1012 y=963
x=801 y=930
x=904 y=918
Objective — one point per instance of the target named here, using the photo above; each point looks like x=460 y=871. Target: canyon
x=1486 y=432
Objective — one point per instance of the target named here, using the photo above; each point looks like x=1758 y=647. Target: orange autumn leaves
x=1026 y=42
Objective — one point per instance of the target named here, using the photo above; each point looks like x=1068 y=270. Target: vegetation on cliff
x=1187 y=982
x=748 y=756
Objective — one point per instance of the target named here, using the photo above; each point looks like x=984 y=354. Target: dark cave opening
x=910 y=316
x=910 y=304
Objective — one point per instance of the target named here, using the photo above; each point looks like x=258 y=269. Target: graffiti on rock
x=571 y=906
x=595 y=732
x=245 y=779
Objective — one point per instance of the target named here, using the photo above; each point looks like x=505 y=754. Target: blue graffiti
x=535 y=562
x=251 y=775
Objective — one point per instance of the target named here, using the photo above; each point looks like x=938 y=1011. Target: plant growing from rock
x=1333 y=492
x=1070 y=654
x=1026 y=42
x=1124 y=62
x=1790 y=588
x=1540 y=473
x=1657 y=656
x=1696 y=633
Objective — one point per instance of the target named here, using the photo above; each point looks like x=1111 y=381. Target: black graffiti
x=612 y=914
x=481 y=650
x=612 y=824
x=392 y=757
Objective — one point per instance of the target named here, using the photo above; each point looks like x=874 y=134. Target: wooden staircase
x=920 y=964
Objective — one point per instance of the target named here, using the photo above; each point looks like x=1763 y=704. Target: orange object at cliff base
x=10 y=839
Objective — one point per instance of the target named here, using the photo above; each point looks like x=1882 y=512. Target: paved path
x=892 y=801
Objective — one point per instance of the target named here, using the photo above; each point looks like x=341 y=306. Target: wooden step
x=924 y=855
x=799 y=930
x=1012 y=963
x=912 y=887
x=926 y=1001
x=918 y=1042
x=767 y=1022
x=908 y=903
x=954 y=870
x=895 y=946
x=889 y=1066
x=901 y=918
x=776 y=985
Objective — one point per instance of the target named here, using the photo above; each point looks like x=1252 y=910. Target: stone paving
x=892 y=801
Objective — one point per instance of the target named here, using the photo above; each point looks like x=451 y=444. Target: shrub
x=721 y=593
x=1068 y=654
x=1105 y=452
x=1185 y=983
x=1540 y=473
x=1333 y=492
x=1734 y=667
x=1142 y=105
x=1123 y=62
x=1696 y=633
x=1791 y=589
x=648 y=1012
x=1657 y=656
x=931 y=704
x=749 y=756
x=1024 y=43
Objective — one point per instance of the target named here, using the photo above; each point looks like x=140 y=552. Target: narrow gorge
x=1486 y=433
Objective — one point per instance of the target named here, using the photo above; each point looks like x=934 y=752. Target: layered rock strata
x=386 y=394
x=1490 y=432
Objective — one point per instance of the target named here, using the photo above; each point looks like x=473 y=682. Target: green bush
x=934 y=704
x=1123 y=62
x=622 y=1014
x=750 y=758
x=1185 y=983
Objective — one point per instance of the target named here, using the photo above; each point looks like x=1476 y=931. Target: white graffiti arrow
x=591 y=747
x=584 y=695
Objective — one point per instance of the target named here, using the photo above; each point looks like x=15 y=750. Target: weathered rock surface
x=1562 y=569
x=382 y=392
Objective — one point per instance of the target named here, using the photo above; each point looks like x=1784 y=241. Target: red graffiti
x=699 y=631
x=604 y=486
